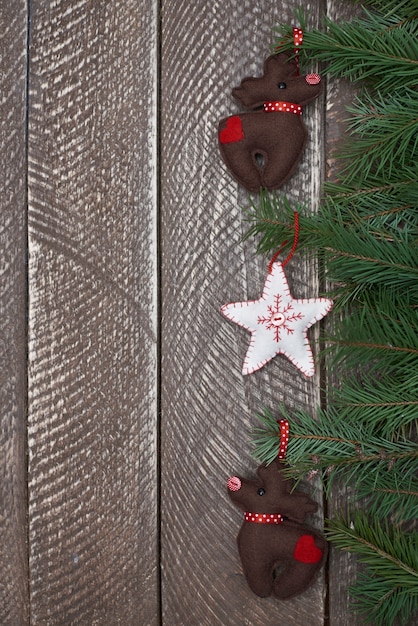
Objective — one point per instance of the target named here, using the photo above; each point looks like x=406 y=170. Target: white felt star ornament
x=278 y=323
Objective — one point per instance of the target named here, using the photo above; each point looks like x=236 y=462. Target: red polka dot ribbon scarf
x=263 y=518
x=283 y=107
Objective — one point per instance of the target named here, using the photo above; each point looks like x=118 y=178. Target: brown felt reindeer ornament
x=262 y=148
x=279 y=554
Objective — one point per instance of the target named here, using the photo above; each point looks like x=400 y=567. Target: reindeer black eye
x=261 y=491
x=282 y=85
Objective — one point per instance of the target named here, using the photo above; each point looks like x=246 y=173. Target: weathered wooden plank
x=207 y=407
x=92 y=312
x=13 y=498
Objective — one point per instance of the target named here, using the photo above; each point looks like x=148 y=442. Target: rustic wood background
x=122 y=404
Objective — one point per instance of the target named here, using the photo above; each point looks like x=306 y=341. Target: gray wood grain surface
x=207 y=407
x=13 y=531
x=92 y=313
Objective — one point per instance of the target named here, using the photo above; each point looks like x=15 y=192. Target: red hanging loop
x=284 y=439
x=292 y=251
x=297 y=40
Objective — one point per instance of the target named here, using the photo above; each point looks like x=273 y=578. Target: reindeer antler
x=252 y=91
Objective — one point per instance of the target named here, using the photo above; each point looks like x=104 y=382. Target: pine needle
x=365 y=235
x=388 y=587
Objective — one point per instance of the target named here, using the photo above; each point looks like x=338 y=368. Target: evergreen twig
x=376 y=48
x=330 y=446
x=366 y=235
x=388 y=587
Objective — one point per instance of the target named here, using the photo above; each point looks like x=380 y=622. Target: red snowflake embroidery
x=280 y=317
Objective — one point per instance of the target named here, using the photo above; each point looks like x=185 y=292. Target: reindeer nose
x=234 y=483
x=313 y=79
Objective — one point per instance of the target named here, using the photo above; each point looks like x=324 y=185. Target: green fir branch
x=387 y=133
x=387 y=588
x=401 y=189
x=272 y=218
x=347 y=243
x=386 y=205
x=331 y=447
x=378 y=334
x=365 y=235
x=386 y=404
x=372 y=48
x=393 y=497
x=397 y=10
x=354 y=253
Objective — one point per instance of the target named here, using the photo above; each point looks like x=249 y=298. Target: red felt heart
x=306 y=550
x=232 y=131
